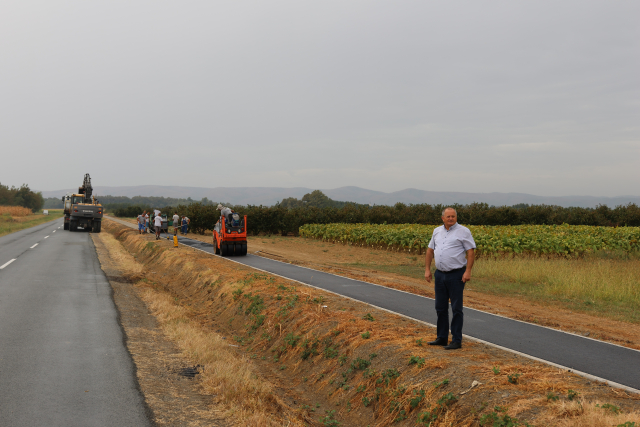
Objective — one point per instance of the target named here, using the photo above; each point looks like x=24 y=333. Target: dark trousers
x=449 y=286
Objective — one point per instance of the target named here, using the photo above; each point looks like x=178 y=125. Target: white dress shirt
x=450 y=246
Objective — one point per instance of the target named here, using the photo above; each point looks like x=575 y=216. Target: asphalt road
x=63 y=360
x=605 y=361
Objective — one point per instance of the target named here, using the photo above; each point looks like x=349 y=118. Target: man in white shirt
x=157 y=222
x=449 y=245
x=146 y=221
x=176 y=223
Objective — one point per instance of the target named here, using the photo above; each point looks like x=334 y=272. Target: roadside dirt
x=163 y=373
x=336 y=259
x=323 y=355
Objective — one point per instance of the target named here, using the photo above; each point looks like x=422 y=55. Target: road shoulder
x=162 y=372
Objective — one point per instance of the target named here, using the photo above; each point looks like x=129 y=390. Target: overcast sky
x=540 y=97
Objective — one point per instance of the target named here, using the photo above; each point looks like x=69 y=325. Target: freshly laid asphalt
x=606 y=361
x=63 y=361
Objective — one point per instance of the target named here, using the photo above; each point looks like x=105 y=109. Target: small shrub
x=310 y=348
x=366 y=401
x=387 y=376
x=441 y=383
x=426 y=418
x=419 y=342
x=551 y=396
x=368 y=373
x=572 y=394
x=447 y=400
x=368 y=317
x=360 y=364
x=612 y=408
x=416 y=360
x=513 y=378
x=418 y=395
x=256 y=306
x=493 y=419
x=237 y=294
x=329 y=420
x=366 y=335
x=496 y=370
x=330 y=352
x=291 y=339
x=402 y=415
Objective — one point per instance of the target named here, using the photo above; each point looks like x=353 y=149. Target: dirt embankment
x=318 y=359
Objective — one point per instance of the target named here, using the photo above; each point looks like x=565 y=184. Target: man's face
x=449 y=218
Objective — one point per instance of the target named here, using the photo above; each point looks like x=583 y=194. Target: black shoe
x=454 y=345
x=439 y=341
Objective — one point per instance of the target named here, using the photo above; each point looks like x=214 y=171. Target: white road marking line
x=33 y=246
x=54 y=231
x=46 y=237
x=7 y=264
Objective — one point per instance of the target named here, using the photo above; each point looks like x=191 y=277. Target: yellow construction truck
x=82 y=209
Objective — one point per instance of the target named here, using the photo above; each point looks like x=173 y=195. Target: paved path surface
x=610 y=362
x=63 y=360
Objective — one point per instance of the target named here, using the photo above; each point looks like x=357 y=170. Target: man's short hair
x=446 y=209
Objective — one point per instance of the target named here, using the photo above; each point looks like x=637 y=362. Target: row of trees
x=282 y=220
x=21 y=196
x=117 y=202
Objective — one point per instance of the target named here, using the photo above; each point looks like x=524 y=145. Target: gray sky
x=538 y=97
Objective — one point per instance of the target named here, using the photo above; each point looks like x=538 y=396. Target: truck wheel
x=66 y=226
x=73 y=226
x=215 y=246
x=243 y=249
x=224 y=249
x=96 y=227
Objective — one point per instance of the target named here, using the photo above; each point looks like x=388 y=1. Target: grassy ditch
x=12 y=221
x=307 y=357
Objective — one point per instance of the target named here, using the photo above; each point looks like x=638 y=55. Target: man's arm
x=427 y=263
x=471 y=257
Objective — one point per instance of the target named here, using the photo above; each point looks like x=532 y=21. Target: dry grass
x=587 y=414
x=591 y=279
x=10 y=223
x=231 y=377
x=15 y=211
x=597 y=285
x=226 y=374
x=197 y=289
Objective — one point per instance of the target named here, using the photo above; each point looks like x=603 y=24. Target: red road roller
x=230 y=235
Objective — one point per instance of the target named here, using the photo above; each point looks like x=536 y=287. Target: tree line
x=283 y=220
x=116 y=202
x=21 y=196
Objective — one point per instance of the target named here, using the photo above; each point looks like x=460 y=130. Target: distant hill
x=272 y=195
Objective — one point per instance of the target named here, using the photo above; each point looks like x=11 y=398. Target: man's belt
x=454 y=271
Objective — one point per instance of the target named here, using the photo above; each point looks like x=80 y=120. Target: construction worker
x=224 y=211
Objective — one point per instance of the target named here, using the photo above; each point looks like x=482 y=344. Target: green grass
x=10 y=225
